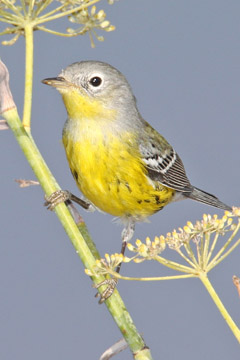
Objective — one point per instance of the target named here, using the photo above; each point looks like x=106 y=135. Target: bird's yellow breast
x=110 y=173
x=80 y=106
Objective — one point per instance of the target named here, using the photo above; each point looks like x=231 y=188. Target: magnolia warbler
x=120 y=163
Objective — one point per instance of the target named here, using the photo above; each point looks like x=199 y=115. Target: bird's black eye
x=95 y=81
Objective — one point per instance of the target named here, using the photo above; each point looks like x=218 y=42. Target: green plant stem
x=30 y=6
x=28 y=77
x=186 y=258
x=9 y=18
x=190 y=253
x=212 y=247
x=144 y=354
x=46 y=18
x=203 y=277
x=41 y=7
x=206 y=249
x=114 y=304
x=175 y=266
x=221 y=258
x=157 y=278
x=214 y=261
x=11 y=6
x=54 y=11
x=9 y=31
x=24 y=6
x=53 y=32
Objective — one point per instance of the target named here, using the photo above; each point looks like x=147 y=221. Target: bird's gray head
x=98 y=80
x=86 y=82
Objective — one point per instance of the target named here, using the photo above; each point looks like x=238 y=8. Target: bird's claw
x=112 y=283
x=56 y=198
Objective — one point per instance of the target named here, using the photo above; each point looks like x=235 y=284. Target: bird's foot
x=56 y=198
x=112 y=283
x=60 y=196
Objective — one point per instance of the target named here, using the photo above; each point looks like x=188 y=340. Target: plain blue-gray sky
x=182 y=60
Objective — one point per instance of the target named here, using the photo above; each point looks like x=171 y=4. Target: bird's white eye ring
x=95 y=81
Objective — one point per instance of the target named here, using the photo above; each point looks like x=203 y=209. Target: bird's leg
x=127 y=234
x=65 y=196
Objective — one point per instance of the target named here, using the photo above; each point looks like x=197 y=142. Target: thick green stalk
x=203 y=277
x=28 y=77
x=143 y=355
x=115 y=304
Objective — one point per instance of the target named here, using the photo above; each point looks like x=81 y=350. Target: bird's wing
x=162 y=162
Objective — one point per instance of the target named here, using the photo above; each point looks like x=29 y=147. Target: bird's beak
x=57 y=82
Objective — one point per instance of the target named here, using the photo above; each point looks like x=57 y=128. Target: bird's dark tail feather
x=206 y=198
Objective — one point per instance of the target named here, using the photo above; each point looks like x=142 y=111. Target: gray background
x=182 y=60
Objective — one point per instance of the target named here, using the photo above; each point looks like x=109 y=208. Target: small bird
x=120 y=163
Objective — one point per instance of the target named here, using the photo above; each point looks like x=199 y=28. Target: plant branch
x=42 y=6
x=190 y=253
x=221 y=258
x=174 y=265
x=11 y=6
x=157 y=278
x=42 y=28
x=28 y=78
x=203 y=277
x=45 y=18
x=224 y=247
x=54 y=11
x=212 y=247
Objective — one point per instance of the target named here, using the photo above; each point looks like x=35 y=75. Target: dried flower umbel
x=197 y=247
x=196 y=244
x=35 y=13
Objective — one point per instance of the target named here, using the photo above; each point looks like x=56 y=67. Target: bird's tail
x=206 y=198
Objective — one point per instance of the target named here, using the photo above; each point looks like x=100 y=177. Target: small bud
x=93 y=10
x=130 y=247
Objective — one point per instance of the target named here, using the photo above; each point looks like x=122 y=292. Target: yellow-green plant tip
x=142 y=248
x=190 y=225
x=113 y=257
x=126 y=259
x=153 y=245
x=98 y=262
x=104 y=24
x=118 y=258
x=205 y=217
x=100 y=38
x=148 y=241
x=107 y=257
x=236 y=211
x=93 y=10
x=110 y=28
x=156 y=240
x=224 y=218
x=228 y=213
x=88 y=272
x=101 y=15
x=138 y=242
x=130 y=247
x=187 y=229
x=163 y=245
x=138 y=261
